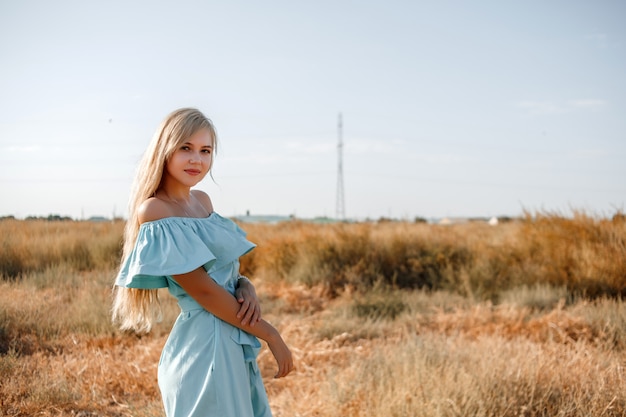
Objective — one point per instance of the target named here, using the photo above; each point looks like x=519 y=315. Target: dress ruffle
x=177 y=245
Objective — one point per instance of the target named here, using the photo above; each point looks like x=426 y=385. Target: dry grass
x=444 y=356
x=36 y=245
x=585 y=255
x=419 y=335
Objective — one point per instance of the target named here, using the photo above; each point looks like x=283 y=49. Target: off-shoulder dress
x=207 y=367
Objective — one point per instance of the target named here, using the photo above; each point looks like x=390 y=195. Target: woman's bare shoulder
x=153 y=209
x=204 y=199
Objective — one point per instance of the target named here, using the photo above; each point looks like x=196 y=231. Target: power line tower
x=340 y=207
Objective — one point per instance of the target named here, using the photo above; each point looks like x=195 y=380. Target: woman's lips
x=193 y=171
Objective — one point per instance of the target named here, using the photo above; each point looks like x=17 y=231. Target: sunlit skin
x=186 y=167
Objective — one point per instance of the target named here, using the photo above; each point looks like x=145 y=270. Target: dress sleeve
x=163 y=249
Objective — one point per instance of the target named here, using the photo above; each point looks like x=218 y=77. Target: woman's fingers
x=243 y=308
x=284 y=367
x=249 y=312
x=256 y=315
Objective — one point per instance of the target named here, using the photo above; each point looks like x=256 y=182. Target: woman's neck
x=175 y=192
x=178 y=196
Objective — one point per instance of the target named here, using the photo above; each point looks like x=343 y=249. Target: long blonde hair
x=134 y=308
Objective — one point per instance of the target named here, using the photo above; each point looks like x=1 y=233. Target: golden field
x=384 y=319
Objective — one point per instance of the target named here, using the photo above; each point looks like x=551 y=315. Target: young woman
x=174 y=239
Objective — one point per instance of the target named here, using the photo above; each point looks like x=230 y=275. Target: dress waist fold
x=188 y=304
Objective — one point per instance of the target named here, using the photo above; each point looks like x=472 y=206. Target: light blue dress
x=207 y=367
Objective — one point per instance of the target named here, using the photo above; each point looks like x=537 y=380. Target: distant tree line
x=50 y=218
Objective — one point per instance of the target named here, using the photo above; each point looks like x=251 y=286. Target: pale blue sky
x=450 y=108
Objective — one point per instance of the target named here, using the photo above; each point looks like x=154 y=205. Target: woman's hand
x=282 y=354
x=250 y=306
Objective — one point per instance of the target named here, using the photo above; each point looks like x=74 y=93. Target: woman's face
x=192 y=160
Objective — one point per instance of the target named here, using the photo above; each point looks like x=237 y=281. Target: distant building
x=269 y=218
x=97 y=219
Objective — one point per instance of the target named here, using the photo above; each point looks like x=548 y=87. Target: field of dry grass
x=389 y=319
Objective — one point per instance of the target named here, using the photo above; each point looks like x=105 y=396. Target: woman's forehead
x=201 y=138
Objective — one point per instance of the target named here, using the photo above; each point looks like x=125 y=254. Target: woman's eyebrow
x=203 y=146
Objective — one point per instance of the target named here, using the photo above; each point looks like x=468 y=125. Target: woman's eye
x=207 y=151
x=184 y=148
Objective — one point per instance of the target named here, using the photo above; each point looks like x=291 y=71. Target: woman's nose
x=194 y=159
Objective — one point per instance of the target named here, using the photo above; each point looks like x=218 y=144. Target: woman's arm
x=223 y=305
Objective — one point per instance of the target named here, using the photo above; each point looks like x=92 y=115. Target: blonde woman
x=174 y=239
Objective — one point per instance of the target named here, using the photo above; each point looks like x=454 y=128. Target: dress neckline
x=172 y=218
